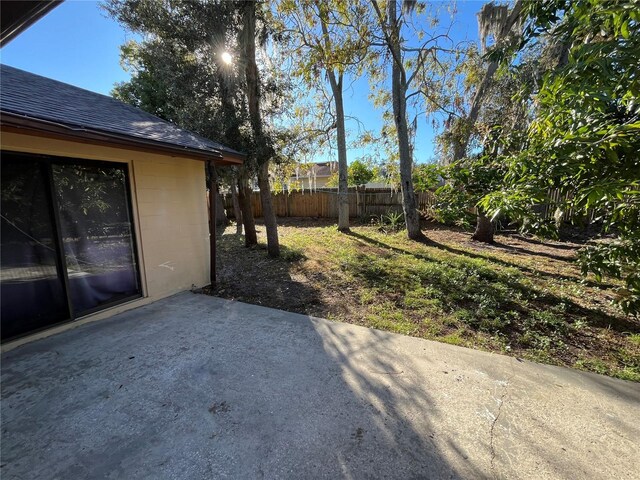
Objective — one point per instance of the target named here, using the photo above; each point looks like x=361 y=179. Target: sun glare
x=226 y=58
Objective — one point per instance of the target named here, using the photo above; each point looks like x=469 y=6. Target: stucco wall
x=170 y=210
x=172 y=213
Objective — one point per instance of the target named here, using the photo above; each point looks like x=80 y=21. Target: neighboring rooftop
x=29 y=99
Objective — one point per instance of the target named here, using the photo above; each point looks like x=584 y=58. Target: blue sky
x=464 y=28
x=77 y=44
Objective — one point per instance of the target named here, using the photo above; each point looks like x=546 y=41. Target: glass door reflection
x=97 y=233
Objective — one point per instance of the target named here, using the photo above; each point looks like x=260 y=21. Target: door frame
x=46 y=162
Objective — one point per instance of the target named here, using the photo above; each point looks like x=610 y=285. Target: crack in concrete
x=493 y=426
x=495 y=420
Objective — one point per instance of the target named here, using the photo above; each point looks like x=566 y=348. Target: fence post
x=364 y=202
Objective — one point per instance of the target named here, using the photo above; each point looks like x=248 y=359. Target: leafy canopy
x=585 y=138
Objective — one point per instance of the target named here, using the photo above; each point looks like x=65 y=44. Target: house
x=102 y=205
x=314 y=176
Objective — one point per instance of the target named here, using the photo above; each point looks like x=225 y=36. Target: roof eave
x=17 y=16
x=23 y=124
x=234 y=158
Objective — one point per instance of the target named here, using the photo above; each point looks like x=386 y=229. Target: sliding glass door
x=32 y=291
x=97 y=236
x=68 y=246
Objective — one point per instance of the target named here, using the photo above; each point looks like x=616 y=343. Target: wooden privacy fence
x=556 y=199
x=324 y=203
x=369 y=202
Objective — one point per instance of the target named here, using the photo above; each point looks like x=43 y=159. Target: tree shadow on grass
x=249 y=275
x=534 y=241
x=438 y=295
x=524 y=268
x=525 y=251
x=490 y=286
x=432 y=243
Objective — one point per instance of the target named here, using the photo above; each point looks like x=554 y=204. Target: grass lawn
x=519 y=297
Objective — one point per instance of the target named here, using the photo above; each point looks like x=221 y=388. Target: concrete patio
x=199 y=387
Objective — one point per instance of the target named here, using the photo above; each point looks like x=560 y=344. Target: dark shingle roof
x=29 y=95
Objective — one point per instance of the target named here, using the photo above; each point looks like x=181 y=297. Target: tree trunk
x=264 y=152
x=343 y=184
x=244 y=198
x=214 y=196
x=399 y=92
x=484 y=229
x=237 y=213
x=268 y=214
x=336 y=90
x=221 y=215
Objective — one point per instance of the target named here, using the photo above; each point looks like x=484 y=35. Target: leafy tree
x=360 y=173
x=426 y=177
x=499 y=103
x=468 y=181
x=499 y=129
x=327 y=38
x=181 y=75
x=391 y=22
x=503 y=24
x=585 y=138
x=414 y=82
x=333 y=180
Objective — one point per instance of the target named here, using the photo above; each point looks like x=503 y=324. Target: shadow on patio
x=198 y=387
x=194 y=386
